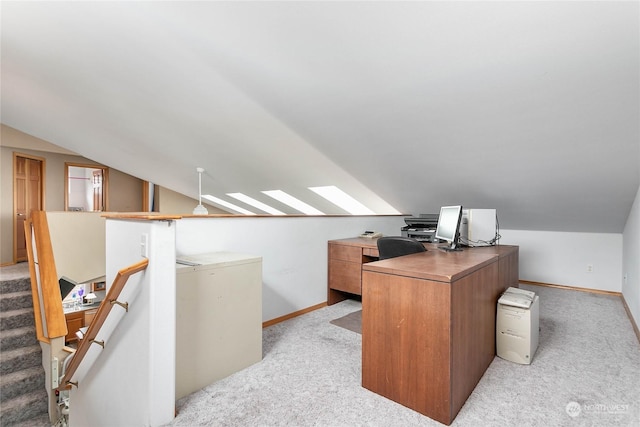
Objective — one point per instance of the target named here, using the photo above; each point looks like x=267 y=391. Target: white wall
x=561 y=258
x=172 y=203
x=77 y=197
x=132 y=382
x=631 y=260
x=293 y=250
x=78 y=242
x=294 y=253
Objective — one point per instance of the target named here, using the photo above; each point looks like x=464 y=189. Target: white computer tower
x=478 y=227
x=517 y=325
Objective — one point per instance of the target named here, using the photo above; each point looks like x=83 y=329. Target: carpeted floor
x=585 y=373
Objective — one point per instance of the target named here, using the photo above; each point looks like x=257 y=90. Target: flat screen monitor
x=449 y=227
x=66 y=286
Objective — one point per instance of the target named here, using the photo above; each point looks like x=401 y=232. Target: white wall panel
x=133 y=381
x=631 y=260
x=561 y=258
x=294 y=251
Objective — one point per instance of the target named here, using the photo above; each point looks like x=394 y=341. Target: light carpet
x=586 y=372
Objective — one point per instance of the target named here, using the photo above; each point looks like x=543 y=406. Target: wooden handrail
x=101 y=315
x=37 y=311
x=56 y=323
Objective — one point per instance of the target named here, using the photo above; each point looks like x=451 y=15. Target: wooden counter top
x=146 y=216
x=434 y=264
x=363 y=242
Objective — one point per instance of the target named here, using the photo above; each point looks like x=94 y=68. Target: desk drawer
x=345 y=253
x=75 y=321
x=370 y=252
x=345 y=276
x=89 y=315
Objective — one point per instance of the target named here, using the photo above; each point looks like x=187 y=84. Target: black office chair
x=394 y=246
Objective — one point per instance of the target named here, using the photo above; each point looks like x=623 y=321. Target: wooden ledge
x=145 y=216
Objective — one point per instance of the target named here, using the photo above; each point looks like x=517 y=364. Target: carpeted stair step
x=17 y=338
x=39 y=421
x=25 y=410
x=20 y=358
x=16 y=318
x=15 y=285
x=21 y=382
x=23 y=396
x=15 y=300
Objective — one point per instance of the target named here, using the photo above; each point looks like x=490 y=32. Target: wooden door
x=97 y=190
x=28 y=195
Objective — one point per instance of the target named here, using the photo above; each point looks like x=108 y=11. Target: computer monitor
x=449 y=227
x=66 y=286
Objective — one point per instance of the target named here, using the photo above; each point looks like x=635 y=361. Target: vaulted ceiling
x=531 y=108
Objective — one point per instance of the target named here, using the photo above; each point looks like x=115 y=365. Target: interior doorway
x=85 y=187
x=28 y=195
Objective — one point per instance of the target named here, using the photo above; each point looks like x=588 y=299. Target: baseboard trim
x=634 y=325
x=571 y=288
x=630 y=316
x=292 y=315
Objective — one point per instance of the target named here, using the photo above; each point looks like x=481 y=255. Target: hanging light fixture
x=200 y=210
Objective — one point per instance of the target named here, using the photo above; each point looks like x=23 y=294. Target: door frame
x=43 y=180
x=105 y=182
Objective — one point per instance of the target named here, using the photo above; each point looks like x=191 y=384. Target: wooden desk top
x=435 y=264
x=363 y=242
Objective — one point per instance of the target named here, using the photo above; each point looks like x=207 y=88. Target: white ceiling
x=532 y=108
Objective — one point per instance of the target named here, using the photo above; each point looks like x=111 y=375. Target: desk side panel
x=406 y=342
x=473 y=307
x=509 y=269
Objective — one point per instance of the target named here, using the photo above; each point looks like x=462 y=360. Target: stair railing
x=104 y=309
x=47 y=301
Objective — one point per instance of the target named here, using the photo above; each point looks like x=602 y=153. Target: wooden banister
x=101 y=315
x=37 y=311
x=42 y=265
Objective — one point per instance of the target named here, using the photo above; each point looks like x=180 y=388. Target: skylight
x=255 y=203
x=227 y=204
x=342 y=200
x=291 y=201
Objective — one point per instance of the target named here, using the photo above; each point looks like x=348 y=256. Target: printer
x=422 y=227
x=517 y=325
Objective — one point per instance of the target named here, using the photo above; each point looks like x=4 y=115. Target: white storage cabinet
x=218 y=318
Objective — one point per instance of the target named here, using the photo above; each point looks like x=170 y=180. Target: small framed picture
x=98 y=286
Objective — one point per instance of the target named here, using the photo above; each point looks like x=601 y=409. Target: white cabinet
x=218 y=318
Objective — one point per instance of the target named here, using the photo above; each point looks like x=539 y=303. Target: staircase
x=23 y=397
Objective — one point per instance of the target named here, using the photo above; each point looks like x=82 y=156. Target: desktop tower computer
x=517 y=328
x=478 y=227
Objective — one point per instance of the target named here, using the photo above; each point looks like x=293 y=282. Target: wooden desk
x=78 y=319
x=428 y=325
